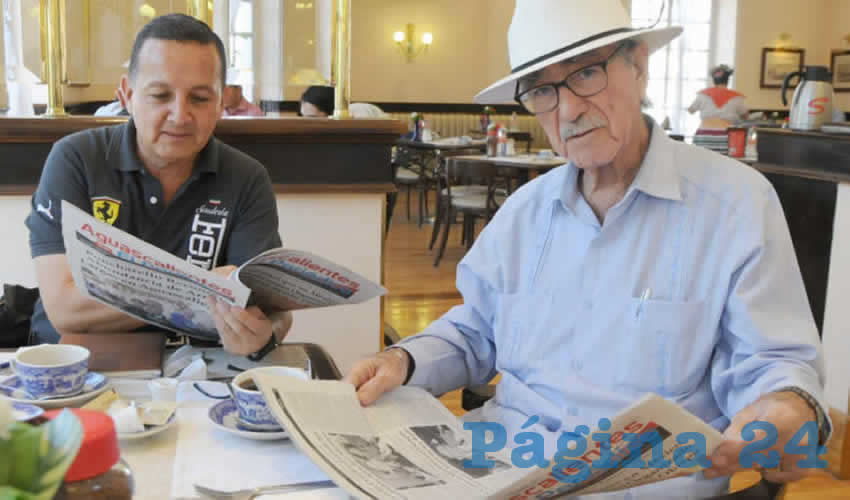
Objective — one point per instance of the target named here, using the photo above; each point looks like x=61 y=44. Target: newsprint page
x=133 y=276
x=409 y=446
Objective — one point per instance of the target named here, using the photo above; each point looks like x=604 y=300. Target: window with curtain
x=679 y=70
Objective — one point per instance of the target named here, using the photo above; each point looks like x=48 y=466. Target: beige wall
x=113 y=26
x=815 y=25
x=455 y=68
x=470 y=45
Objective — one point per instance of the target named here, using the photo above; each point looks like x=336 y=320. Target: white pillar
x=269 y=69
x=324 y=37
x=22 y=81
x=4 y=94
x=221 y=24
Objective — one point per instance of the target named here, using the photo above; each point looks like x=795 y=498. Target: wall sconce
x=784 y=41
x=405 y=41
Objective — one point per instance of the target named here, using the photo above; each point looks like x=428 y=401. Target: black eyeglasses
x=584 y=82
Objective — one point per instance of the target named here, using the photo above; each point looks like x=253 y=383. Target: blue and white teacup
x=250 y=402
x=52 y=370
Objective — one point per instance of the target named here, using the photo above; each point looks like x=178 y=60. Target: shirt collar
x=122 y=147
x=658 y=175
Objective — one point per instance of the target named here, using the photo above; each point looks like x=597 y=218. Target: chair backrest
x=496 y=179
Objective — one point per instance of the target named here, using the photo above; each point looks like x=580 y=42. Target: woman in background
x=719 y=106
x=318 y=102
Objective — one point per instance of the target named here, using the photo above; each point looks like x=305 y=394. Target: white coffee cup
x=52 y=370
x=250 y=402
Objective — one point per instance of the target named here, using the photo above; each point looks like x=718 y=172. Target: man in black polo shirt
x=161 y=177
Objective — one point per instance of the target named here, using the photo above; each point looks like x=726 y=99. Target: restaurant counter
x=330 y=178
x=811 y=174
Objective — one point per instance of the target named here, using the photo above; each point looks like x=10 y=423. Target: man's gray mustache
x=583 y=125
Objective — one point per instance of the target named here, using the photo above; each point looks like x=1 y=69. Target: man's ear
x=125 y=94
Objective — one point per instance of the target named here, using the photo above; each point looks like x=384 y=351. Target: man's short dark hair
x=178 y=28
x=320 y=96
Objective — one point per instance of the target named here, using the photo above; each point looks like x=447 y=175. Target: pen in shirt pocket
x=643 y=298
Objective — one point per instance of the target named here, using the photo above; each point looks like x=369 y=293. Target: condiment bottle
x=98 y=472
x=503 y=142
x=492 y=139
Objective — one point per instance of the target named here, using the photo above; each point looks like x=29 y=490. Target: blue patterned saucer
x=225 y=416
x=95 y=384
x=25 y=411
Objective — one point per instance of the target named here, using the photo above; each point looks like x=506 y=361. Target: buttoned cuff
x=411 y=363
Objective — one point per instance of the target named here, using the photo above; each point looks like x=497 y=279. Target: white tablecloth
x=195 y=451
x=168 y=464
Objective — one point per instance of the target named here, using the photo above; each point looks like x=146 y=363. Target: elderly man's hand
x=787 y=412
x=379 y=374
x=242 y=331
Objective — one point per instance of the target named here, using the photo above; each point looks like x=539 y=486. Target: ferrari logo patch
x=105 y=209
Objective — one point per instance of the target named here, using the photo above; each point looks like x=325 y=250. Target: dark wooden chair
x=473 y=190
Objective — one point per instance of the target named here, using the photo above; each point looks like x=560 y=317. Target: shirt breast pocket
x=665 y=348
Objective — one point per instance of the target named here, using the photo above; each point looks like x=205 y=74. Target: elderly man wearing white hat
x=642 y=265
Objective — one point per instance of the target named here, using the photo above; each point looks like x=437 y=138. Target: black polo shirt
x=225 y=213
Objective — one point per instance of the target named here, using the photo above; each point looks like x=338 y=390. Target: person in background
x=114 y=108
x=318 y=102
x=235 y=103
x=163 y=177
x=719 y=106
x=642 y=265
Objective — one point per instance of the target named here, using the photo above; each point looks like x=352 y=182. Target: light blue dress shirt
x=552 y=301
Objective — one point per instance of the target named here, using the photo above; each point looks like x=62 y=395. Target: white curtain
x=20 y=81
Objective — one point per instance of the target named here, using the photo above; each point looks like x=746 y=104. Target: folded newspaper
x=122 y=271
x=409 y=446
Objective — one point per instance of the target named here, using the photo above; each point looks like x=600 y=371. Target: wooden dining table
x=524 y=163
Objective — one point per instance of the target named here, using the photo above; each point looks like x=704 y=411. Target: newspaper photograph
x=137 y=278
x=409 y=446
x=405 y=446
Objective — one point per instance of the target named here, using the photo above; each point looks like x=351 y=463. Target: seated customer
x=165 y=180
x=235 y=103
x=318 y=102
x=642 y=265
x=114 y=108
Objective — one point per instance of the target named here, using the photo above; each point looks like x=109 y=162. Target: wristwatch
x=824 y=429
x=270 y=346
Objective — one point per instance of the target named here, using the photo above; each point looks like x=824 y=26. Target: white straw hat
x=545 y=32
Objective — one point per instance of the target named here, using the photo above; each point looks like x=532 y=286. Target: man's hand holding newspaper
x=381 y=373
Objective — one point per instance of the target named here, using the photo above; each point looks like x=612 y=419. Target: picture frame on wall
x=776 y=63
x=840 y=69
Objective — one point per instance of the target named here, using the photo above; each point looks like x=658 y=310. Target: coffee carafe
x=811 y=105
